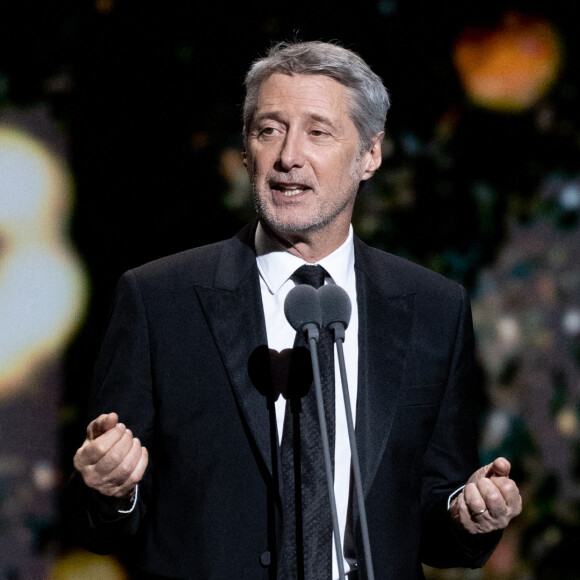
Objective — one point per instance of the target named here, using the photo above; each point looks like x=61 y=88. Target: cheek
x=344 y=162
x=258 y=165
x=251 y=165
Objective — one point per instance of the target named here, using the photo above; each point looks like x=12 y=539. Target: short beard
x=321 y=223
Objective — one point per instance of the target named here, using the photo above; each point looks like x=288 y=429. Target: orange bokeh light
x=510 y=67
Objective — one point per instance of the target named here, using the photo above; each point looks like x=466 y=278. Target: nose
x=292 y=153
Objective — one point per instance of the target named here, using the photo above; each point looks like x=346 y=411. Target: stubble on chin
x=297 y=224
x=301 y=224
x=269 y=216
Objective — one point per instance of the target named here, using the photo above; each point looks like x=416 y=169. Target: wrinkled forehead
x=327 y=88
x=317 y=90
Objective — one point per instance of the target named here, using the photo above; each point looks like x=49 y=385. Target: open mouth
x=289 y=189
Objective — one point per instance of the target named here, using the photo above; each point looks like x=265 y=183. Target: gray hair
x=369 y=98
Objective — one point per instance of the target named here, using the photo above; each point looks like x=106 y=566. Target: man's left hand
x=489 y=500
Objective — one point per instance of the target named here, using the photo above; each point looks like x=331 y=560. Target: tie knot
x=311 y=275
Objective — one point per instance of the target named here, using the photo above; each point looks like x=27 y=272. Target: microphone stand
x=303 y=312
x=312 y=338
x=339 y=335
x=336 y=310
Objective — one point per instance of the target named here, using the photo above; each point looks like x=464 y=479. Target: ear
x=245 y=149
x=373 y=157
x=245 y=154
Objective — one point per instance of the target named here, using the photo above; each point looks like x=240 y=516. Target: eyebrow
x=278 y=116
x=273 y=115
x=322 y=119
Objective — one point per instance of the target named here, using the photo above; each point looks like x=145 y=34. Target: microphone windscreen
x=334 y=304
x=302 y=307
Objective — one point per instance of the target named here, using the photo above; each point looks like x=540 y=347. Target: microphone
x=336 y=309
x=302 y=310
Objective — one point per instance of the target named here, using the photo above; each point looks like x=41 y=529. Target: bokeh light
x=510 y=67
x=81 y=565
x=43 y=286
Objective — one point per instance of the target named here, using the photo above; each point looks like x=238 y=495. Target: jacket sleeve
x=450 y=459
x=122 y=384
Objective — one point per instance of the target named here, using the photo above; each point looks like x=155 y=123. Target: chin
x=284 y=223
x=292 y=226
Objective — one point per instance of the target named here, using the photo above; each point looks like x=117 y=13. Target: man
x=182 y=464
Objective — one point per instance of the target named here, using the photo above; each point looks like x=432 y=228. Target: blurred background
x=120 y=143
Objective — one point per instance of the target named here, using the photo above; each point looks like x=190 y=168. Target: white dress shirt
x=276 y=267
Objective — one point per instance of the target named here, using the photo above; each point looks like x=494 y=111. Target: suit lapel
x=234 y=312
x=385 y=315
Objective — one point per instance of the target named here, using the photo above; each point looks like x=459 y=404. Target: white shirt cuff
x=453 y=496
x=134 y=502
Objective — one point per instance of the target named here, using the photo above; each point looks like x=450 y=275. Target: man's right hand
x=111 y=461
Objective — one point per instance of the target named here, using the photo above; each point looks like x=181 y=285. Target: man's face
x=303 y=155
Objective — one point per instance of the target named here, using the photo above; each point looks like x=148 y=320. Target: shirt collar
x=276 y=265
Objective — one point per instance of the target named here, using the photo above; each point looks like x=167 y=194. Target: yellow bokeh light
x=81 y=565
x=567 y=421
x=43 y=286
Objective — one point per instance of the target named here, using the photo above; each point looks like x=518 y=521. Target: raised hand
x=489 y=501
x=111 y=461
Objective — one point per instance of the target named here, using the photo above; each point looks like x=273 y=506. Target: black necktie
x=307 y=541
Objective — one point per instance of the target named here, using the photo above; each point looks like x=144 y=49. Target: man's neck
x=311 y=248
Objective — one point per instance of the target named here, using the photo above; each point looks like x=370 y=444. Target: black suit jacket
x=185 y=365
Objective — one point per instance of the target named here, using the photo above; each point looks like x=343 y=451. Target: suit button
x=265 y=559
